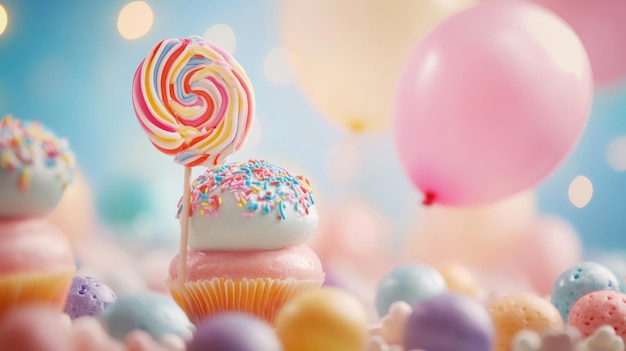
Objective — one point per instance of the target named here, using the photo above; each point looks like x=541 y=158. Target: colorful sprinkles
x=258 y=187
x=23 y=143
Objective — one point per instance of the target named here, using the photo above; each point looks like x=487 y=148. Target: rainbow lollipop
x=194 y=101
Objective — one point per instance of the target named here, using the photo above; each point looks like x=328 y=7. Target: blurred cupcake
x=35 y=169
x=248 y=222
x=36 y=260
x=36 y=264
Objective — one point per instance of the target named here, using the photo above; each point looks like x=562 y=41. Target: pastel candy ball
x=156 y=314
x=35 y=328
x=88 y=297
x=579 y=281
x=458 y=278
x=234 y=332
x=514 y=313
x=606 y=307
x=328 y=319
x=449 y=322
x=411 y=284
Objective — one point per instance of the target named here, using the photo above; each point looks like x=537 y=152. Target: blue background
x=65 y=63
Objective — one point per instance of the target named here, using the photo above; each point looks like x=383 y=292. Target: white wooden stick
x=184 y=228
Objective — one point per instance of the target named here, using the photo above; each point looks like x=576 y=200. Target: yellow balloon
x=327 y=319
x=347 y=55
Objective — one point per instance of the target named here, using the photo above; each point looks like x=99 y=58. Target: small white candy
x=526 y=340
x=392 y=325
x=604 y=339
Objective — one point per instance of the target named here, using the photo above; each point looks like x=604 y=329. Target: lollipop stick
x=184 y=229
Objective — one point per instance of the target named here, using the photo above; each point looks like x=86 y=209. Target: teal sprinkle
x=253 y=206
x=311 y=199
x=266 y=209
x=281 y=209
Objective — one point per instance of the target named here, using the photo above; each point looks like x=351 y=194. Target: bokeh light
x=223 y=36
x=135 y=20
x=616 y=153
x=276 y=66
x=580 y=191
x=4 y=19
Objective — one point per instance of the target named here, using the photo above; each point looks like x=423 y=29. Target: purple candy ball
x=449 y=322
x=234 y=332
x=88 y=297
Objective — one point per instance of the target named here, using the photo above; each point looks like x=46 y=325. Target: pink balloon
x=600 y=25
x=491 y=101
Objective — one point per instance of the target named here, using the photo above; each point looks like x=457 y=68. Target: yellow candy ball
x=458 y=278
x=327 y=319
x=514 y=313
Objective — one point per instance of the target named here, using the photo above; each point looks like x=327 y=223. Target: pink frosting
x=33 y=245
x=295 y=262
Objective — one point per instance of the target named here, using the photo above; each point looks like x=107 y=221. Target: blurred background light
x=135 y=20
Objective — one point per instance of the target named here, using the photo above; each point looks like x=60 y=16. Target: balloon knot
x=429 y=199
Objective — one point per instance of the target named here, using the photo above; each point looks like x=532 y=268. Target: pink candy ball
x=606 y=307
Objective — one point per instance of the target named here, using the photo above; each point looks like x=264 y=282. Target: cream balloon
x=347 y=55
x=477 y=237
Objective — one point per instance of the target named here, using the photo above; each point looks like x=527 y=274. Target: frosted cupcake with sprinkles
x=36 y=260
x=248 y=223
x=35 y=169
x=242 y=224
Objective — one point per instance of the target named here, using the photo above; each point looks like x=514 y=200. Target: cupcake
x=35 y=169
x=36 y=260
x=36 y=264
x=248 y=223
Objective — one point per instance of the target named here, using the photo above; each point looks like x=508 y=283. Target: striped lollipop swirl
x=193 y=100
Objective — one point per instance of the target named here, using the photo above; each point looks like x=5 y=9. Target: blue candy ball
x=88 y=297
x=411 y=284
x=234 y=332
x=449 y=322
x=579 y=281
x=156 y=314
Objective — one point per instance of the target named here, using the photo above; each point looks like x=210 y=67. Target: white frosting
x=231 y=223
x=35 y=168
x=232 y=231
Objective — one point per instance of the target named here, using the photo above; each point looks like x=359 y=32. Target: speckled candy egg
x=606 y=307
x=156 y=314
x=328 y=319
x=88 y=297
x=579 y=281
x=234 y=332
x=514 y=313
x=411 y=284
x=449 y=322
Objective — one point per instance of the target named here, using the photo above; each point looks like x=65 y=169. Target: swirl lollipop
x=194 y=101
